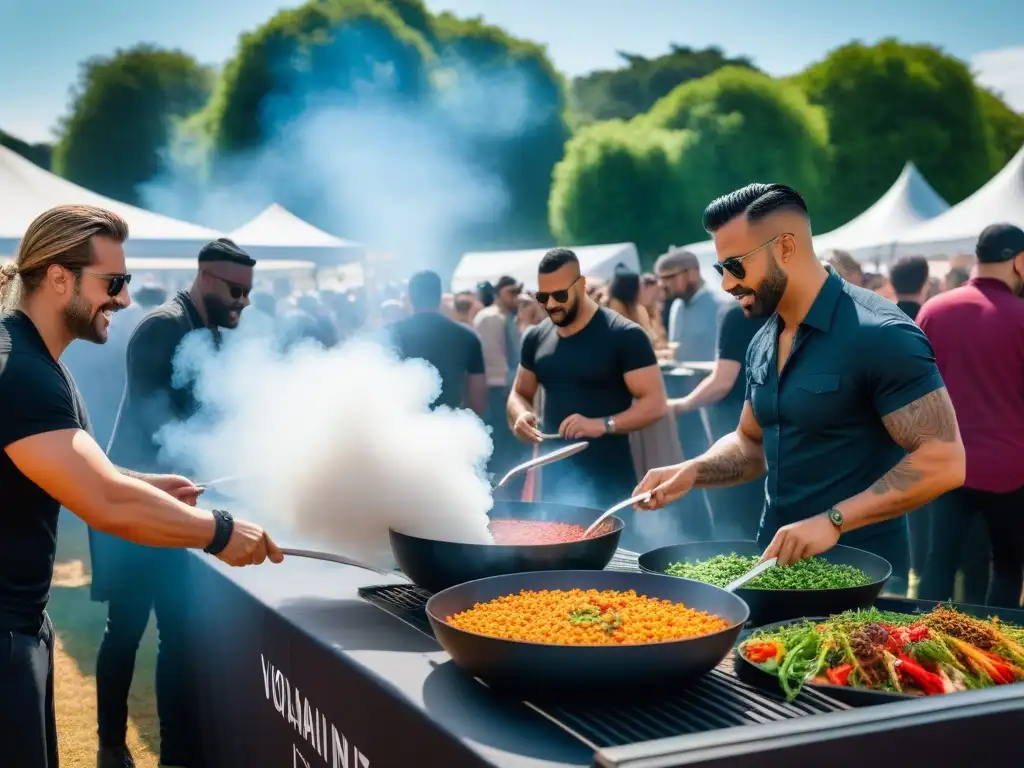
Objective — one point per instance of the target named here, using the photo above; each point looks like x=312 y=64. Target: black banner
x=267 y=694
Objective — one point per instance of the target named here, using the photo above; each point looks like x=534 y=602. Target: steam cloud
x=332 y=446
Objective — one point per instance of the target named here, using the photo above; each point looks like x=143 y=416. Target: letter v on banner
x=298 y=761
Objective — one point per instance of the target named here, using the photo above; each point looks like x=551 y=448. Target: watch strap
x=225 y=525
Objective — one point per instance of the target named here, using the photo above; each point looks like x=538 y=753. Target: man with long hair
x=68 y=278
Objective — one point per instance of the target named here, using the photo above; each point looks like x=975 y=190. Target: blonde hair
x=61 y=236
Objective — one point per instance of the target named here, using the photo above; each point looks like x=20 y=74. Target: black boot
x=114 y=757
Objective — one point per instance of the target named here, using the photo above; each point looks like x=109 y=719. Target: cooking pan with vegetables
x=875 y=656
x=841 y=579
x=566 y=634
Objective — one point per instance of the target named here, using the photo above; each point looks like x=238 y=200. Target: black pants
x=952 y=517
x=28 y=726
x=150 y=579
x=736 y=510
x=508 y=451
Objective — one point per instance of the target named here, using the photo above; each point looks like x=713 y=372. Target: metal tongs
x=332 y=558
x=754 y=572
x=621 y=505
x=548 y=458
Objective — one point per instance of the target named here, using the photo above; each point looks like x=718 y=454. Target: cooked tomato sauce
x=532 y=532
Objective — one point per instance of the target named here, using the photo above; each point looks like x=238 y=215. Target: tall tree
x=1005 y=128
x=122 y=116
x=634 y=88
x=40 y=154
x=889 y=103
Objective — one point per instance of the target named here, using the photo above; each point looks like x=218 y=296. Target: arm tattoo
x=900 y=478
x=928 y=418
x=131 y=473
x=716 y=470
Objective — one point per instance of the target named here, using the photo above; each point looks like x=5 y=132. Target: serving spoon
x=548 y=458
x=753 y=573
x=646 y=496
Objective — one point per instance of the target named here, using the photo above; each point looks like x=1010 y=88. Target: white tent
x=277 y=233
x=873 y=236
x=26 y=190
x=598 y=261
x=956 y=231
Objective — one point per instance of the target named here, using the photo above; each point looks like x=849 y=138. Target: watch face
x=835 y=516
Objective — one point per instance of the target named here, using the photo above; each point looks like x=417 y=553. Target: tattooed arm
x=736 y=458
x=927 y=430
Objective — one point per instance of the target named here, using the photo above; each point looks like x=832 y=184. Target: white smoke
x=332 y=447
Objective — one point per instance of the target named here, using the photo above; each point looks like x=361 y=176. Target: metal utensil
x=218 y=481
x=611 y=511
x=754 y=572
x=332 y=558
x=548 y=458
x=545 y=436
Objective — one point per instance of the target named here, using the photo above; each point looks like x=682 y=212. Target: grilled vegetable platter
x=867 y=656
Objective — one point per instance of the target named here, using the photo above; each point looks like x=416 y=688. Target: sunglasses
x=235 y=290
x=733 y=265
x=560 y=296
x=115 y=281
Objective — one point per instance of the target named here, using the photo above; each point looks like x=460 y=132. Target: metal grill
x=719 y=700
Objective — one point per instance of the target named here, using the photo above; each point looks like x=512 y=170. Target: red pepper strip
x=839 y=675
x=761 y=652
x=927 y=681
x=993 y=666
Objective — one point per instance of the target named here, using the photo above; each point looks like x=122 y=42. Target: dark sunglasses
x=115 y=282
x=561 y=296
x=234 y=289
x=734 y=263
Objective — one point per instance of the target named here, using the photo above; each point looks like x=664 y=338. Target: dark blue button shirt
x=856 y=357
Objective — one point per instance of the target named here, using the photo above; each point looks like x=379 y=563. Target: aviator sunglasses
x=734 y=266
x=234 y=289
x=115 y=281
x=561 y=296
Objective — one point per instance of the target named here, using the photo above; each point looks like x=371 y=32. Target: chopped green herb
x=812 y=573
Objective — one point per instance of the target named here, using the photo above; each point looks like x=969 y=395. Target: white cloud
x=1003 y=71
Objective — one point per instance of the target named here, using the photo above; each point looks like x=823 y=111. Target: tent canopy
x=277 y=233
x=873 y=235
x=956 y=231
x=26 y=190
x=597 y=261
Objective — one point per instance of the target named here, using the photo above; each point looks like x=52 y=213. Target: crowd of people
x=838 y=406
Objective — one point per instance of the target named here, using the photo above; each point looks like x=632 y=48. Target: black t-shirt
x=911 y=308
x=38 y=396
x=150 y=400
x=735 y=330
x=452 y=348
x=584 y=374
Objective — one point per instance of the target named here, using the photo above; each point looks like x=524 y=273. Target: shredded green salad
x=812 y=573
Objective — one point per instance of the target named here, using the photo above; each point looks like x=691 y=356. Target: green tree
x=122 y=116
x=621 y=182
x=633 y=89
x=746 y=127
x=40 y=154
x=889 y=103
x=1005 y=128
x=507 y=105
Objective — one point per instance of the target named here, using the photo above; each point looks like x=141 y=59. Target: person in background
x=844 y=403
x=978 y=334
x=530 y=313
x=601 y=381
x=624 y=297
x=392 y=311
x=67 y=280
x=880 y=284
x=909 y=278
x=846 y=267
x=485 y=293
x=693 y=318
x=499 y=334
x=453 y=349
x=721 y=394
x=955 y=278
x=134 y=580
x=465 y=307
x=650 y=299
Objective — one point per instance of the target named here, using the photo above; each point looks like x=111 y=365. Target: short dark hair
x=908 y=275
x=755 y=200
x=425 y=290
x=223 y=249
x=555 y=259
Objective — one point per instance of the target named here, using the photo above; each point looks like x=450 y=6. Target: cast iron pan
x=540 y=671
x=436 y=565
x=771 y=605
x=749 y=672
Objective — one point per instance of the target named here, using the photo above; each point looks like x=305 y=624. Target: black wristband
x=222 y=534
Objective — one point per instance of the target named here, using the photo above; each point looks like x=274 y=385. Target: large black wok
x=566 y=671
x=436 y=565
x=771 y=605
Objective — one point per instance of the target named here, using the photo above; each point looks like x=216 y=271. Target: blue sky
x=42 y=42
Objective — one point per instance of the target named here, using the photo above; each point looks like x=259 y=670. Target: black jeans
x=952 y=517
x=154 y=579
x=28 y=727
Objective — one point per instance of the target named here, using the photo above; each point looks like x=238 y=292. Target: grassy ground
x=79 y=624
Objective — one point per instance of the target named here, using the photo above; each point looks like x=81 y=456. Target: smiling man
x=844 y=403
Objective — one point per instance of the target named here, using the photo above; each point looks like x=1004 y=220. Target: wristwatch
x=609 y=425
x=836 y=517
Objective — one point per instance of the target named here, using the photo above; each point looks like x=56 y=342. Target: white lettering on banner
x=308 y=722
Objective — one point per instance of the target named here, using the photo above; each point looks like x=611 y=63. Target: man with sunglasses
x=132 y=579
x=601 y=381
x=844 y=406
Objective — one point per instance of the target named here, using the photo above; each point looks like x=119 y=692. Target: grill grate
x=719 y=700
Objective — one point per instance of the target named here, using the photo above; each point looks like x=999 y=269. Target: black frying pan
x=771 y=605
x=436 y=565
x=566 y=671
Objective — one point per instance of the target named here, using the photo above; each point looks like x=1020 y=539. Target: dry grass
x=79 y=623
